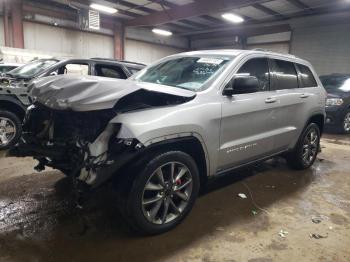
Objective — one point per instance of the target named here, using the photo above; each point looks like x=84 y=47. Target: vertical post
x=17 y=23
x=6 y=25
x=119 y=39
x=244 y=42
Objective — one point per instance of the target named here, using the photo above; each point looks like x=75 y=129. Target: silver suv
x=161 y=134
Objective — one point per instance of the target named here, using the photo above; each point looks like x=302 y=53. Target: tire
x=345 y=126
x=296 y=159
x=9 y=120
x=146 y=186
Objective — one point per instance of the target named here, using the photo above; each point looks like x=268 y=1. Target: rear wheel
x=10 y=129
x=162 y=193
x=305 y=152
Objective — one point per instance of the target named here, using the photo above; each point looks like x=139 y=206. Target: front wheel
x=345 y=128
x=305 y=152
x=10 y=129
x=162 y=193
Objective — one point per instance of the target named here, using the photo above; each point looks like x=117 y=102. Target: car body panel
x=90 y=93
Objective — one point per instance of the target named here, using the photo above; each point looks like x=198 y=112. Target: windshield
x=31 y=69
x=332 y=82
x=186 y=72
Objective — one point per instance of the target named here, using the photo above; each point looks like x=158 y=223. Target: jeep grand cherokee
x=161 y=134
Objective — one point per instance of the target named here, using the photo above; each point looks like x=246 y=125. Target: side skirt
x=227 y=170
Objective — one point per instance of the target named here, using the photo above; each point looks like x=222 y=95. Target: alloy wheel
x=310 y=146
x=167 y=193
x=346 y=123
x=7 y=131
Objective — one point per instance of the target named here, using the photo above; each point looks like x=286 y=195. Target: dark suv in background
x=338 y=102
x=14 y=98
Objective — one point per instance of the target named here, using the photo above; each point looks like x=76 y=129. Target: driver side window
x=259 y=68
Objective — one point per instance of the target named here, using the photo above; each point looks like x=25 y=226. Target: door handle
x=304 y=95
x=270 y=100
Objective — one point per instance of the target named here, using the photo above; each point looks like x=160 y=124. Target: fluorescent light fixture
x=161 y=32
x=233 y=18
x=103 y=8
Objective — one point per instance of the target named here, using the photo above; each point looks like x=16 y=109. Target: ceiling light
x=161 y=32
x=103 y=8
x=233 y=18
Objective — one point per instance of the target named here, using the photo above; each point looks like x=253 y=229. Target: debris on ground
x=318 y=219
x=220 y=229
x=241 y=195
x=268 y=186
x=283 y=233
x=318 y=236
x=254 y=212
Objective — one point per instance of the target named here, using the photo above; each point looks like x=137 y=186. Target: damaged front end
x=80 y=144
x=61 y=132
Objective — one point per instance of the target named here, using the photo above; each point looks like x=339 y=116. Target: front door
x=247 y=126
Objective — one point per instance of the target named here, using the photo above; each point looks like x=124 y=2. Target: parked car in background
x=160 y=134
x=338 y=102
x=14 y=98
x=4 y=68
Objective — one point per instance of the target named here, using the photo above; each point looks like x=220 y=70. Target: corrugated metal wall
x=327 y=48
x=55 y=39
x=147 y=53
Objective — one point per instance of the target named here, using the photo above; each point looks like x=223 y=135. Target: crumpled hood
x=89 y=93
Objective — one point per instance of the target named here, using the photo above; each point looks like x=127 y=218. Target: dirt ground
x=287 y=216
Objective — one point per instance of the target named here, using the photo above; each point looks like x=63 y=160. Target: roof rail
x=116 y=60
x=270 y=51
x=101 y=58
x=261 y=49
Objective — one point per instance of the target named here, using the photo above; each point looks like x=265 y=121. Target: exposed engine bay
x=84 y=144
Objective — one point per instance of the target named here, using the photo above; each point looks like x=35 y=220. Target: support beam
x=244 y=31
x=17 y=24
x=299 y=4
x=119 y=42
x=200 y=7
x=268 y=11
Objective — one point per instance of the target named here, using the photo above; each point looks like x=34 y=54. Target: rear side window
x=259 y=68
x=306 y=76
x=72 y=69
x=110 y=71
x=285 y=75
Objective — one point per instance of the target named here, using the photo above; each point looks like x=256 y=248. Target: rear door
x=246 y=127
x=291 y=102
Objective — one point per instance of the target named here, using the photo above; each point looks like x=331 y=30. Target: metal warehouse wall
x=55 y=39
x=2 y=35
x=147 y=53
x=326 y=47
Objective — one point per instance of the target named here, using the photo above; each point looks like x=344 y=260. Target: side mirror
x=242 y=85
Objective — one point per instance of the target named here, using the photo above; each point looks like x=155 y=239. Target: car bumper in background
x=334 y=116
